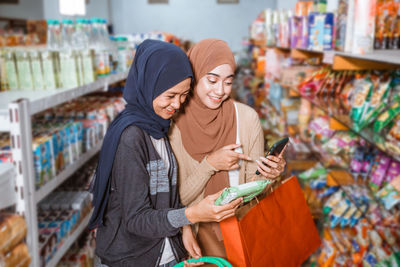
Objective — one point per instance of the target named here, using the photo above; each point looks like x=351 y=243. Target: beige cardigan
x=193 y=176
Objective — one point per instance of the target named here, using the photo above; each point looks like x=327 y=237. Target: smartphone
x=276 y=149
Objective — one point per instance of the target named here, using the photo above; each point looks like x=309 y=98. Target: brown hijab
x=206 y=130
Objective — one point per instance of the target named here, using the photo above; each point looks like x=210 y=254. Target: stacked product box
x=81 y=253
x=62 y=134
x=59 y=215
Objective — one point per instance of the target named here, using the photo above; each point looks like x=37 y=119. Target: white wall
x=25 y=9
x=95 y=8
x=190 y=19
x=286 y=4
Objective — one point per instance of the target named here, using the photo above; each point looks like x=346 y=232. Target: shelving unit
x=366 y=133
x=69 y=241
x=59 y=179
x=16 y=109
x=377 y=60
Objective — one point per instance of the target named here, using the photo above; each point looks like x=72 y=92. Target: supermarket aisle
x=325 y=73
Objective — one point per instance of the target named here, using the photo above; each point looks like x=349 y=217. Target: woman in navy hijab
x=137 y=211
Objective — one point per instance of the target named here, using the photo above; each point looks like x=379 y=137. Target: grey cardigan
x=143 y=207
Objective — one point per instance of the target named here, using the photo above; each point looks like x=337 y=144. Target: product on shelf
x=12 y=231
x=81 y=252
x=5 y=148
x=59 y=215
x=62 y=134
x=18 y=256
x=352 y=26
x=13 y=252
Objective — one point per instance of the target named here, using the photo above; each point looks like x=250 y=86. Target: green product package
x=79 y=67
x=385 y=118
x=88 y=66
x=49 y=70
x=361 y=98
x=24 y=70
x=315 y=172
x=37 y=71
x=378 y=101
x=248 y=191
x=11 y=70
x=69 y=75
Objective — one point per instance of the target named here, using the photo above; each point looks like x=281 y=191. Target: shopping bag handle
x=220 y=262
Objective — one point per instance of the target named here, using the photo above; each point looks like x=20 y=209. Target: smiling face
x=171 y=100
x=216 y=86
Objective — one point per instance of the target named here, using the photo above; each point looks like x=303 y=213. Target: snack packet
x=362 y=94
x=386 y=118
x=390 y=194
x=379 y=171
x=316 y=171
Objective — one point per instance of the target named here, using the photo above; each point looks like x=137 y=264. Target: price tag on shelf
x=328 y=57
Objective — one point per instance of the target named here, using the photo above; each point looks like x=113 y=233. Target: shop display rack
x=333 y=109
x=69 y=241
x=48 y=187
x=16 y=109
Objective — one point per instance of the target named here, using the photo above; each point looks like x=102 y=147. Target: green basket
x=220 y=262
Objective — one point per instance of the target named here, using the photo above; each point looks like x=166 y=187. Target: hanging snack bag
x=362 y=94
x=385 y=118
x=379 y=171
x=390 y=194
x=338 y=212
x=315 y=172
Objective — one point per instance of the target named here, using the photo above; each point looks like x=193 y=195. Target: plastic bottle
x=52 y=38
x=70 y=68
x=108 y=45
x=67 y=34
x=270 y=37
x=275 y=25
x=98 y=45
x=80 y=38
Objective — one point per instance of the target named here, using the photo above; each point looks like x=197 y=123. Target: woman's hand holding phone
x=272 y=166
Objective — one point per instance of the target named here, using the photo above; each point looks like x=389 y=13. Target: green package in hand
x=248 y=191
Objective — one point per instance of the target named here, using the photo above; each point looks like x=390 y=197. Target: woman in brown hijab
x=217 y=142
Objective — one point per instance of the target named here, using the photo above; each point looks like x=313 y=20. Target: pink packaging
x=295 y=31
x=393 y=171
x=378 y=174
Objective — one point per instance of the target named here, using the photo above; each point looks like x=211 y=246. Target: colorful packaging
x=345 y=24
x=385 y=118
x=390 y=194
x=316 y=31
x=362 y=93
x=328 y=31
x=295 y=31
x=364 y=26
x=379 y=171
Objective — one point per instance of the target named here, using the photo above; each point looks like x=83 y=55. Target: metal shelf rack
x=16 y=109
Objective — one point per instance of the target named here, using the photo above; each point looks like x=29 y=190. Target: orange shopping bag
x=276 y=231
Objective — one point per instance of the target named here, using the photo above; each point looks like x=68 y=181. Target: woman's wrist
x=190 y=214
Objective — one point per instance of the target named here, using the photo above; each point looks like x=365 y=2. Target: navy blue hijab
x=157 y=67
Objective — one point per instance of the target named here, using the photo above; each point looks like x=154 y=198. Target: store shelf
x=70 y=240
x=42 y=100
x=333 y=110
x=59 y=179
x=378 y=59
x=7 y=185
